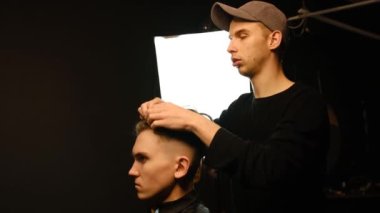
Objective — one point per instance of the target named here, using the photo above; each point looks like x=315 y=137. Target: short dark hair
x=186 y=137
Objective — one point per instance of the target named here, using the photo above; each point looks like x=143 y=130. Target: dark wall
x=72 y=74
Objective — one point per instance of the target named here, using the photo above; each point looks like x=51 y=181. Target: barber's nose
x=231 y=47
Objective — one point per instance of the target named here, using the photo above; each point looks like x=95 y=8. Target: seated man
x=166 y=169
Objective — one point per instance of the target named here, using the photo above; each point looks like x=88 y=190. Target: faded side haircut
x=186 y=137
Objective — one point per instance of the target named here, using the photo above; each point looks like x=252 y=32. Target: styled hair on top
x=185 y=137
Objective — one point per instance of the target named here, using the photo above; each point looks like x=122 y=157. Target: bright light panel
x=195 y=71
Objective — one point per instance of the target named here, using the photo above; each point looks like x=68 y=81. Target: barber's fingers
x=142 y=111
x=144 y=107
x=156 y=112
x=153 y=110
x=168 y=115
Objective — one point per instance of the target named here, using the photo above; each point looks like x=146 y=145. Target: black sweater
x=274 y=149
x=189 y=203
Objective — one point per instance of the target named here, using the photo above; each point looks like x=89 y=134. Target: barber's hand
x=158 y=113
x=143 y=109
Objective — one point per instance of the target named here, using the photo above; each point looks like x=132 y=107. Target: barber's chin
x=244 y=73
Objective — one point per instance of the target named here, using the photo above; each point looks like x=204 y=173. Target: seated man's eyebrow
x=140 y=156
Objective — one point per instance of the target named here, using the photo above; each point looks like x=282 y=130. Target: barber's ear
x=182 y=166
x=275 y=39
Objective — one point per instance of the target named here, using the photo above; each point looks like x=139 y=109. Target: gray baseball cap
x=255 y=11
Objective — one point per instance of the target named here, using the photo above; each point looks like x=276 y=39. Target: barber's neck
x=266 y=84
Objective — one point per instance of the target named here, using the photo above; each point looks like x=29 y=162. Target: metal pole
x=330 y=10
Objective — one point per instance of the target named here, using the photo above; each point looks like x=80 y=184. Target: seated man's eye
x=141 y=158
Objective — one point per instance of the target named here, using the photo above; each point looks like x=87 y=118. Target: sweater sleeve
x=293 y=151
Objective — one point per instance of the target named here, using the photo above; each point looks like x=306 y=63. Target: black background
x=73 y=73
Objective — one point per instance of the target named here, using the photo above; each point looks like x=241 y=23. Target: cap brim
x=221 y=15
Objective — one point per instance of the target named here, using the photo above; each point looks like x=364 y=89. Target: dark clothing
x=187 y=204
x=272 y=150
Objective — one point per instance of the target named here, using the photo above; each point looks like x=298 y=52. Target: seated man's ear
x=182 y=166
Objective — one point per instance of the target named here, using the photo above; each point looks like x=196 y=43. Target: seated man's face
x=154 y=165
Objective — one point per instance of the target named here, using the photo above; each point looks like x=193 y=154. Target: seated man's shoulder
x=199 y=208
x=202 y=209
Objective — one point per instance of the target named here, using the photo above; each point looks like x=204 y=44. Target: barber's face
x=248 y=46
x=153 y=168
